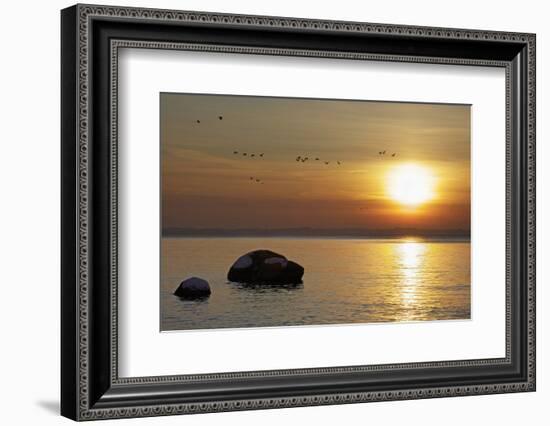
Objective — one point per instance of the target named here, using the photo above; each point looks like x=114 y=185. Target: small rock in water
x=265 y=267
x=193 y=288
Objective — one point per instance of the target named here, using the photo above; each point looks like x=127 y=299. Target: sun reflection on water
x=411 y=259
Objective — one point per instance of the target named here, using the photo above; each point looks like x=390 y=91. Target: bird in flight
x=262 y=154
x=220 y=117
x=256 y=180
x=198 y=121
x=393 y=155
x=235 y=152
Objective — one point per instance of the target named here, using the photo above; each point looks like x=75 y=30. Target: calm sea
x=346 y=281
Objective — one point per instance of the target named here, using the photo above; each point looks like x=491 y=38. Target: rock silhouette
x=265 y=267
x=193 y=288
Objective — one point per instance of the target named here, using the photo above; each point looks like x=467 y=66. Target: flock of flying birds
x=251 y=155
x=220 y=117
x=299 y=158
x=304 y=159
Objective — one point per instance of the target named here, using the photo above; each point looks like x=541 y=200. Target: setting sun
x=410 y=184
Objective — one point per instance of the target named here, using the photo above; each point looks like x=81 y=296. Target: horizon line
x=315 y=232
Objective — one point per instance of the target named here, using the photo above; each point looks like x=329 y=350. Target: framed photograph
x=263 y=212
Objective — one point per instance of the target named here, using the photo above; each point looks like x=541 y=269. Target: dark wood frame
x=91 y=37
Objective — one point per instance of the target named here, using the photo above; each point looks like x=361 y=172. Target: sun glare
x=410 y=184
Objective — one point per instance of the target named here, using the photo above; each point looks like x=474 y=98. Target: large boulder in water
x=265 y=267
x=193 y=288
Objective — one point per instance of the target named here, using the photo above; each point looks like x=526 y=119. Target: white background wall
x=29 y=211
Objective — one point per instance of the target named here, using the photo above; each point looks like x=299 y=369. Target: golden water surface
x=346 y=281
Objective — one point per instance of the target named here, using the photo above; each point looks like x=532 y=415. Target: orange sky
x=205 y=185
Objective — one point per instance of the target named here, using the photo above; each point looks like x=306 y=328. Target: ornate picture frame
x=91 y=37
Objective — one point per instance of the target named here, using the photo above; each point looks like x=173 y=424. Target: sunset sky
x=426 y=186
